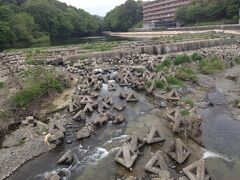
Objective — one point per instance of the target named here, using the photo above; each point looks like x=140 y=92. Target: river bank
x=94 y=154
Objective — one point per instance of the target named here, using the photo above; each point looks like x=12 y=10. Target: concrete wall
x=158 y=49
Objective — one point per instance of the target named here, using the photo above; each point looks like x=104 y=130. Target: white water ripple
x=210 y=154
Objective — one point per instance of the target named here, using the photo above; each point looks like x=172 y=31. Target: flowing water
x=95 y=156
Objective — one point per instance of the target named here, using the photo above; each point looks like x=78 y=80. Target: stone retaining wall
x=158 y=49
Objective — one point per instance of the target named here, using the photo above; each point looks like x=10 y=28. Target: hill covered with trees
x=125 y=16
x=208 y=11
x=27 y=22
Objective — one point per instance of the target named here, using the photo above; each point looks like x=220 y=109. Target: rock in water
x=83 y=133
x=67 y=158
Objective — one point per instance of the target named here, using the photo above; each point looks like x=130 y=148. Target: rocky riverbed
x=113 y=99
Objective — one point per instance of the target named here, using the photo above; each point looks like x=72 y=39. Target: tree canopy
x=25 y=22
x=124 y=17
x=211 y=10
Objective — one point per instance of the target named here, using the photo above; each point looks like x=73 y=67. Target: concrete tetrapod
x=178 y=151
x=173 y=95
x=155 y=135
x=136 y=142
x=157 y=163
x=126 y=156
x=197 y=171
x=174 y=114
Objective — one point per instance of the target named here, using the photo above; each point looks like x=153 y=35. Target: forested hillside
x=125 y=16
x=208 y=11
x=27 y=22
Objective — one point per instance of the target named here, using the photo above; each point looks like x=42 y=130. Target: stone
x=163 y=104
x=157 y=163
x=119 y=107
x=85 y=132
x=178 y=151
x=67 y=158
x=155 y=135
x=101 y=119
x=136 y=142
x=197 y=171
x=123 y=95
x=119 y=118
x=126 y=156
x=52 y=176
x=111 y=87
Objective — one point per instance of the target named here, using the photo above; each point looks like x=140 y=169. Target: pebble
x=69 y=142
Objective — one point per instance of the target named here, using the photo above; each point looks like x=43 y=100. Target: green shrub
x=196 y=57
x=186 y=74
x=212 y=65
x=166 y=63
x=159 y=84
x=37 y=83
x=174 y=81
x=236 y=103
x=180 y=59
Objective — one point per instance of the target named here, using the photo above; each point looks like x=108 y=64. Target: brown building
x=160 y=13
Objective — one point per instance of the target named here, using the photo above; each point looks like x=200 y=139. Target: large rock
x=84 y=133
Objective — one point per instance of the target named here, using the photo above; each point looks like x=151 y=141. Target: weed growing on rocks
x=159 y=84
x=184 y=112
x=196 y=57
x=211 y=65
x=174 y=81
x=166 y=63
x=38 y=82
x=183 y=58
x=186 y=74
x=1 y=85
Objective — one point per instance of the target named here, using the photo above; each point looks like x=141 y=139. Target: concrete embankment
x=158 y=49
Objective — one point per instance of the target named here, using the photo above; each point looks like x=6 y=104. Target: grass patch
x=188 y=102
x=184 y=112
x=22 y=142
x=139 y=70
x=166 y=63
x=37 y=83
x=101 y=46
x=196 y=57
x=186 y=74
x=82 y=57
x=148 y=84
x=1 y=85
x=183 y=58
x=174 y=81
x=159 y=84
x=211 y=65
x=236 y=103
x=237 y=60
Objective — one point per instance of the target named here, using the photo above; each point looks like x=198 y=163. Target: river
x=95 y=156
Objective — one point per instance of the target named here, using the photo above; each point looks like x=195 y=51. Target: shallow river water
x=95 y=156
